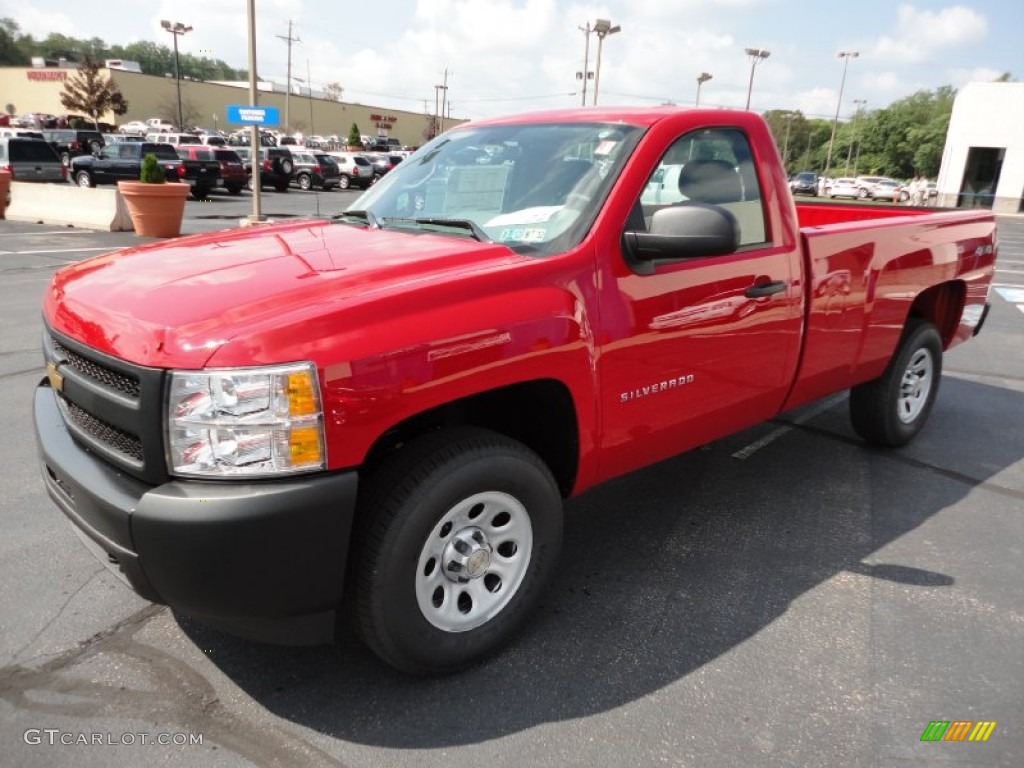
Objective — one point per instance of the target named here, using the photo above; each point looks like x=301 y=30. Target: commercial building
x=983 y=161
x=37 y=89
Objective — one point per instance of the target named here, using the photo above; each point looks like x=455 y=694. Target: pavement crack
x=60 y=612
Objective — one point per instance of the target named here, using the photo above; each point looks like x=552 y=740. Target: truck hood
x=174 y=304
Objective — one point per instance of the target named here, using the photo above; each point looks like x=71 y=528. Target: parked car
x=867 y=184
x=31 y=159
x=888 y=189
x=804 y=183
x=232 y=169
x=117 y=138
x=403 y=398
x=159 y=125
x=123 y=161
x=381 y=164
x=277 y=167
x=315 y=169
x=173 y=138
x=70 y=143
x=356 y=170
x=137 y=127
x=209 y=171
x=844 y=186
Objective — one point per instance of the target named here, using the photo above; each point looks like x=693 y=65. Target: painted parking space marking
x=1012 y=294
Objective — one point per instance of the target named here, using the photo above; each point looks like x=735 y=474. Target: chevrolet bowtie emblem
x=56 y=380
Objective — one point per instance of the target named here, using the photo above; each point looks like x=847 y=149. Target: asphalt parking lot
x=783 y=597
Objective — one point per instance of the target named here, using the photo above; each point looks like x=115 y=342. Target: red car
x=232 y=169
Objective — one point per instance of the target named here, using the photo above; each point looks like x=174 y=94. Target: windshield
x=535 y=187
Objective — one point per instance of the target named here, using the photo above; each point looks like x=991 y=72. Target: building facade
x=38 y=89
x=983 y=161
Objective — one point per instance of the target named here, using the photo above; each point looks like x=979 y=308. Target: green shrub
x=151 y=171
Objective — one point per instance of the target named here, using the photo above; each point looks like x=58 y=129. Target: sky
x=507 y=56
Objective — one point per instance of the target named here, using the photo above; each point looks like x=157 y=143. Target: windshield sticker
x=522 y=235
x=536 y=215
x=605 y=147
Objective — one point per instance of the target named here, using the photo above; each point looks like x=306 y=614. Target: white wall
x=986 y=115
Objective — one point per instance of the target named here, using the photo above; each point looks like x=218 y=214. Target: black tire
x=281 y=187
x=344 y=182
x=200 y=193
x=304 y=181
x=95 y=146
x=233 y=189
x=287 y=167
x=862 y=193
x=249 y=185
x=84 y=179
x=65 y=158
x=893 y=408
x=415 y=512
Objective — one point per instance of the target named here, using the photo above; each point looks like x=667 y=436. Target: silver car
x=31 y=160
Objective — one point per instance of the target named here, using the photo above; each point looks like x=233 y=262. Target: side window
x=710 y=166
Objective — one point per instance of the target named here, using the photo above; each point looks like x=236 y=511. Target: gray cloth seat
x=710 y=181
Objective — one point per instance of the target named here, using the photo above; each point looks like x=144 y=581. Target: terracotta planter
x=156 y=209
x=5 y=188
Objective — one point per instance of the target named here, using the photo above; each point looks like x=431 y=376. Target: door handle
x=761 y=290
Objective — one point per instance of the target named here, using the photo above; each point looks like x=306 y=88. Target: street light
x=756 y=55
x=702 y=78
x=586 y=74
x=785 y=145
x=603 y=28
x=845 y=56
x=177 y=29
x=858 y=103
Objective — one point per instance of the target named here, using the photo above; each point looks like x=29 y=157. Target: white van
x=173 y=138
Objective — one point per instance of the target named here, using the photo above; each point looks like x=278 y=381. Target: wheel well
x=941 y=305
x=539 y=414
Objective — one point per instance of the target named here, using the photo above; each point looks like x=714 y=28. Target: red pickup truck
x=379 y=416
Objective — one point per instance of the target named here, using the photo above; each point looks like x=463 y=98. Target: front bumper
x=264 y=560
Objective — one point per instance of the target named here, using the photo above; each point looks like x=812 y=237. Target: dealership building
x=37 y=90
x=983 y=161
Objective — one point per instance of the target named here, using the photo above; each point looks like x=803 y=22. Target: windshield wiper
x=442 y=223
x=365 y=216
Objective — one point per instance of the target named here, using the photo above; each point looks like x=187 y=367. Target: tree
x=333 y=91
x=89 y=92
x=355 y=138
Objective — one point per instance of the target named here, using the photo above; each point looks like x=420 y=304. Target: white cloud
x=924 y=35
x=36 y=22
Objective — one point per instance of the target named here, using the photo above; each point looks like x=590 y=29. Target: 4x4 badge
x=56 y=380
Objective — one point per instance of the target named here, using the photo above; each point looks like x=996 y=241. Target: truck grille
x=128 y=385
x=117 y=439
x=110 y=406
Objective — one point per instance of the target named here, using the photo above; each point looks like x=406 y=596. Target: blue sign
x=253 y=115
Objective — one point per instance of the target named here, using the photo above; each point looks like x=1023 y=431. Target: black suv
x=804 y=183
x=314 y=168
x=71 y=143
x=277 y=167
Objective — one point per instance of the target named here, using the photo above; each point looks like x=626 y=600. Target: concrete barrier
x=101 y=208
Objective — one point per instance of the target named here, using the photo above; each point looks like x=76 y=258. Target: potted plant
x=155 y=206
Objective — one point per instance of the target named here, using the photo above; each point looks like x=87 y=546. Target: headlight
x=248 y=422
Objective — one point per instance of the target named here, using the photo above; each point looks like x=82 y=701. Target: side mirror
x=684 y=231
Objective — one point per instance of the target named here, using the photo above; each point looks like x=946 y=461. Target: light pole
x=603 y=28
x=177 y=29
x=756 y=55
x=856 y=158
x=785 y=145
x=845 y=56
x=586 y=74
x=856 y=125
x=254 y=137
x=702 y=78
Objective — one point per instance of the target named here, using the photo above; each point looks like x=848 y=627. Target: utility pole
x=444 y=97
x=288 y=93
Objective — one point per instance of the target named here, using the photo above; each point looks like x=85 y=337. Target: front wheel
x=862 y=193
x=459 y=533
x=344 y=182
x=84 y=179
x=891 y=409
x=305 y=182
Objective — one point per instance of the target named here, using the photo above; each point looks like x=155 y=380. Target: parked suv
x=31 y=160
x=71 y=143
x=356 y=170
x=315 y=169
x=277 y=167
x=804 y=183
x=232 y=169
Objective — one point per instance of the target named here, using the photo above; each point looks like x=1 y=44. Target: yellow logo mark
x=56 y=380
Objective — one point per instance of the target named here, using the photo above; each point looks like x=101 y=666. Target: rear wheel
x=344 y=182
x=233 y=189
x=281 y=187
x=459 y=534
x=200 y=193
x=893 y=408
x=862 y=193
x=65 y=158
x=305 y=182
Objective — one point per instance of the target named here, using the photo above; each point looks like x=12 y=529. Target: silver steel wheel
x=474 y=561
x=915 y=386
